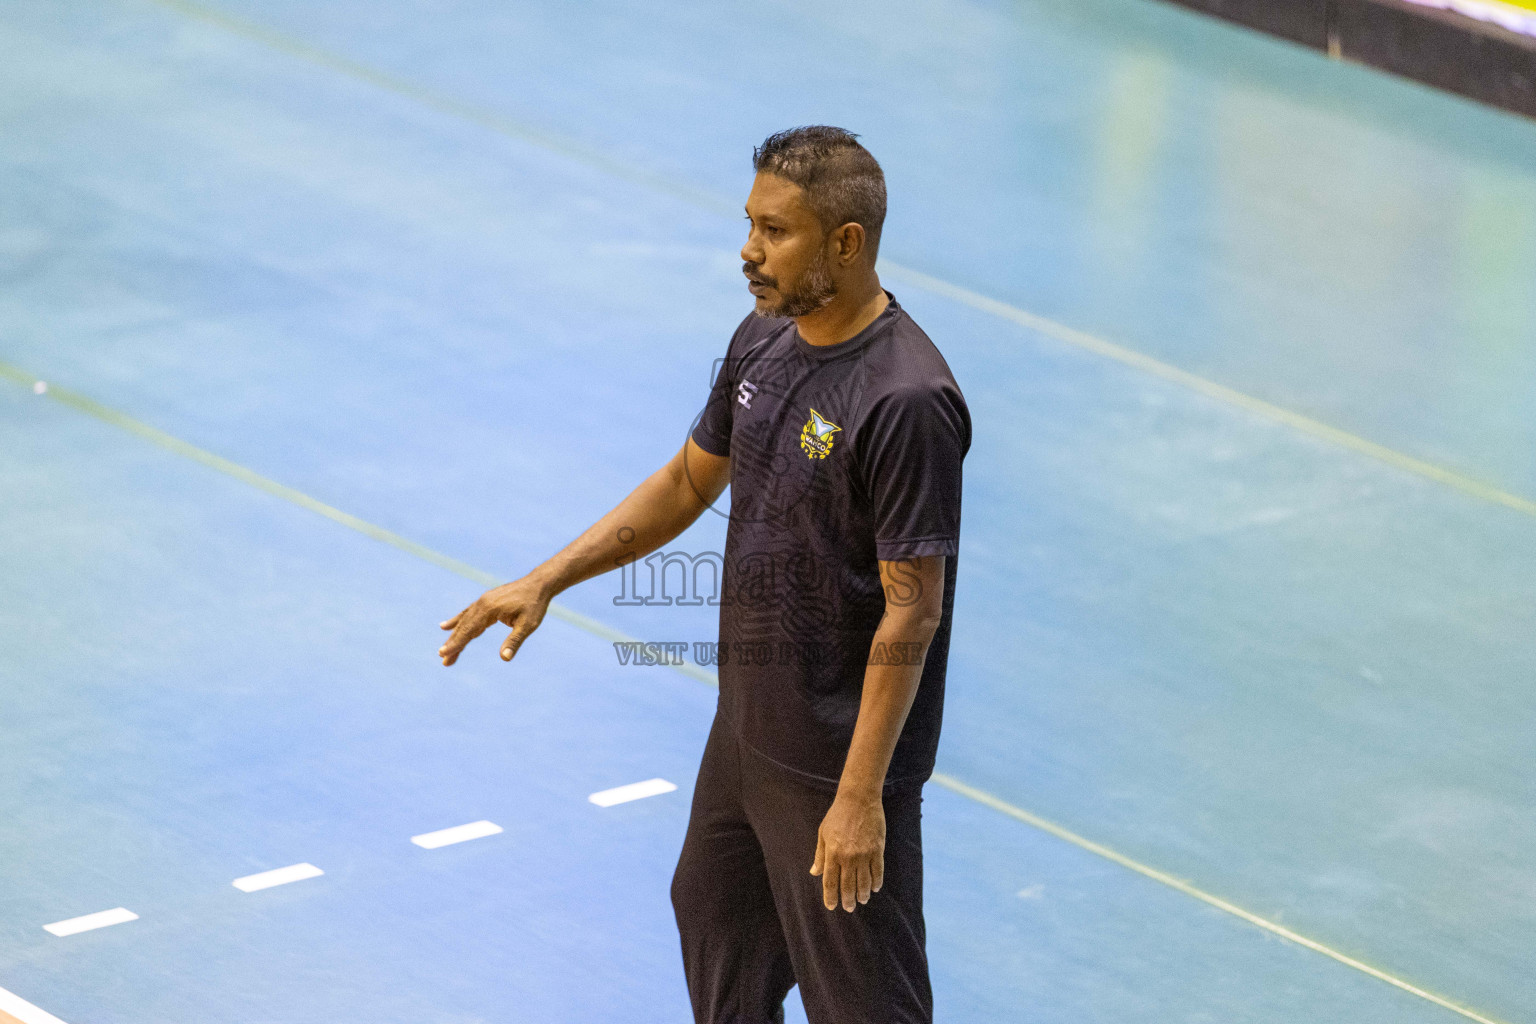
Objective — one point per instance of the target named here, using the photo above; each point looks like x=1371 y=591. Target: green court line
x=705 y=199
x=174 y=444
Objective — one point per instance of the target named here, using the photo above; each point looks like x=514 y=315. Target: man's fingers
x=829 y=883
x=850 y=886
x=816 y=861
x=469 y=627
x=864 y=883
x=523 y=622
x=513 y=642
x=451 y=623
x=454 y=644
x=877 y=875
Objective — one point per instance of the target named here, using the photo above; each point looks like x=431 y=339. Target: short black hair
x=843 y=183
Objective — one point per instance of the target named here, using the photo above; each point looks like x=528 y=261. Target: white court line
x=633 y=791
x=302 y=500
x=13 y=1004
x=90 y=922
x=457 y=834
x=277 y=876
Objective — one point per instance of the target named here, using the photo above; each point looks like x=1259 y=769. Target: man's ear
x=850 y=242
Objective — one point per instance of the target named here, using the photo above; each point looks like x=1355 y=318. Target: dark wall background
x=1473 y=58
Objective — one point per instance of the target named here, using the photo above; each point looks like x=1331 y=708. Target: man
x=841 y=432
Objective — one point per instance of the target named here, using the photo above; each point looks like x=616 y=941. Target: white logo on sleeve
x=745 y=392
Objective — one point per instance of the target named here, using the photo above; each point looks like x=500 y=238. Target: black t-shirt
x=841 y=455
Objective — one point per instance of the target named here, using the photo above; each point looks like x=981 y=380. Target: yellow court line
x=174 y=444
x=937 y=286
x=1002 y=806
x=91 y=407
x=1211 y=389
x=444 y=104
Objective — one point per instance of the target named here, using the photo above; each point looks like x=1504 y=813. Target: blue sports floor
x=336 y=300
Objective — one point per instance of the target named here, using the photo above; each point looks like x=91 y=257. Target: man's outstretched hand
x=850 y=851
x=520 y=604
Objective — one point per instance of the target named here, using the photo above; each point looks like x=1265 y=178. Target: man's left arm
x=850 y=846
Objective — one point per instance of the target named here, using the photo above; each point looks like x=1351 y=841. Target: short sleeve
x=916 y=441
x=713 y=431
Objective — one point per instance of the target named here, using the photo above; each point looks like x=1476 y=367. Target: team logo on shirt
x=816 y=436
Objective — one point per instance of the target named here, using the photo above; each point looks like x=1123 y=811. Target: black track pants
x=750 y=912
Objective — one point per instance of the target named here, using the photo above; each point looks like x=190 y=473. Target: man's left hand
x=850 y=851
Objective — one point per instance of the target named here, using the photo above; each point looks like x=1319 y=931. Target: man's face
x=787 y=263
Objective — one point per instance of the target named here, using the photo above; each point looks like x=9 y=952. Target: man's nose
x=752 y=252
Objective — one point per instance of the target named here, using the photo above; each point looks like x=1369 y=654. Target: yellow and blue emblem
x=816 y=436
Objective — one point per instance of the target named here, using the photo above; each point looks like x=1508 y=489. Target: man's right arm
x=662 y=507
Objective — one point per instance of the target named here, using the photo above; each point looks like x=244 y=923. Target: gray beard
x=813 y=291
